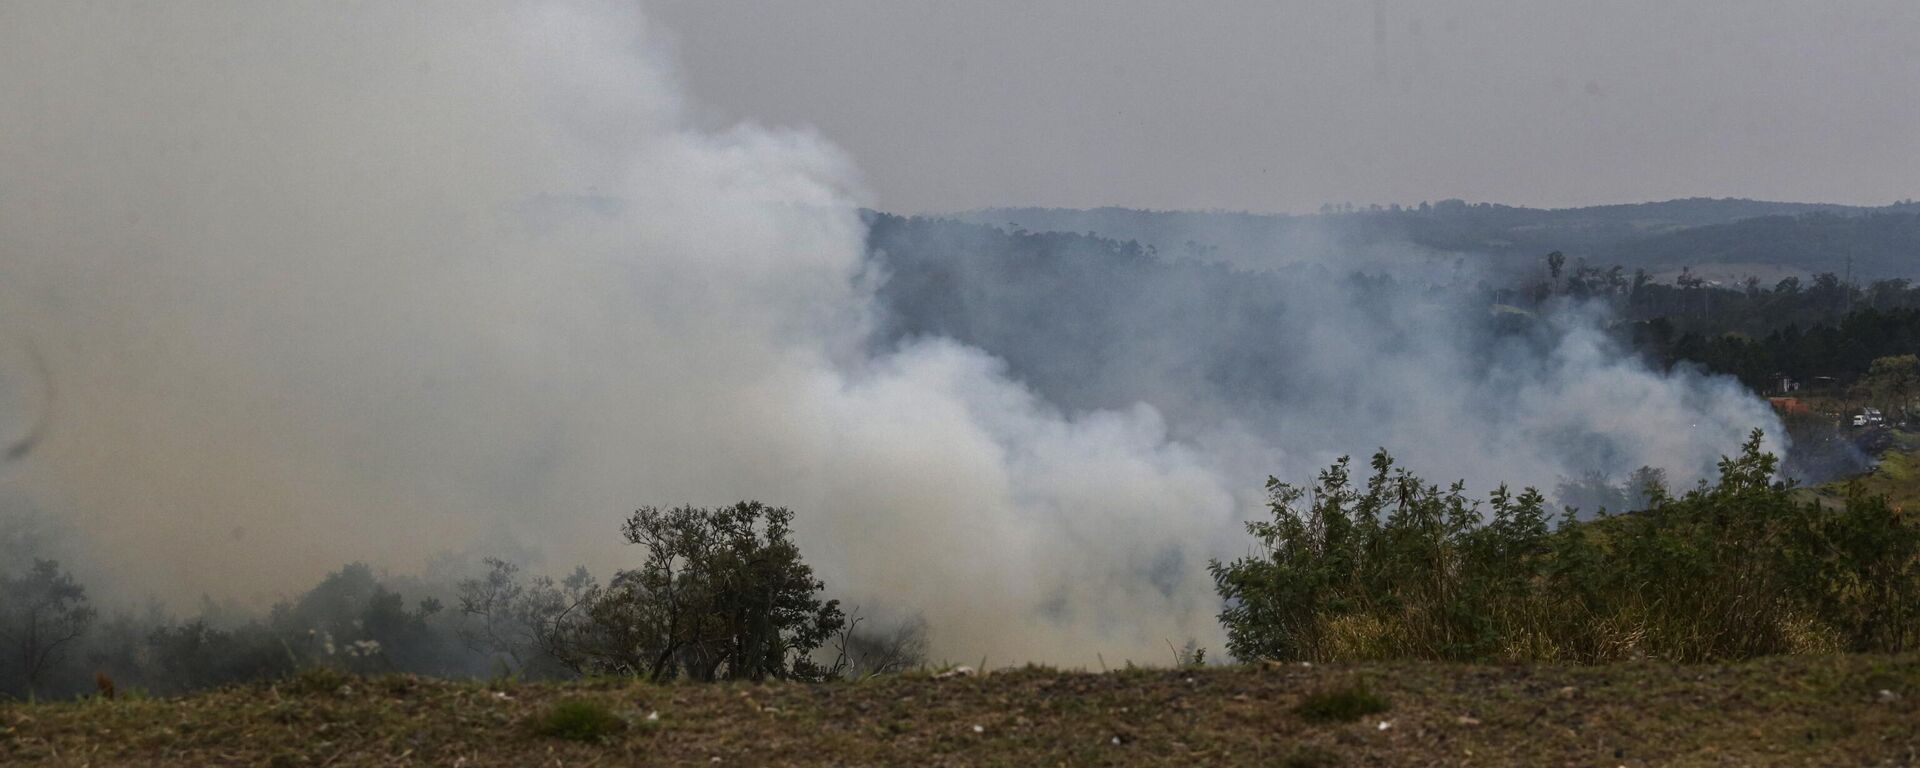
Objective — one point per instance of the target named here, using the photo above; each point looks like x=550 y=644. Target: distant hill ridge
x=1763 y=236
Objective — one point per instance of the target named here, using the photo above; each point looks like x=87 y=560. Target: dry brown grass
x=1776 y=711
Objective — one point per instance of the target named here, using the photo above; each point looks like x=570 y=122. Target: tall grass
x=1399 y=568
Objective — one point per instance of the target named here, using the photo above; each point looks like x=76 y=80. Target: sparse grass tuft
x=578 y=720
x=1342 y=704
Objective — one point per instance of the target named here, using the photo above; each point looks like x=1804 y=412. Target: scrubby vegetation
x=1401 y=569
x=720 y=594
x=1391 y=567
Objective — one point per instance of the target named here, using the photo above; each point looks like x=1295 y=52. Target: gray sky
x=1285 y=104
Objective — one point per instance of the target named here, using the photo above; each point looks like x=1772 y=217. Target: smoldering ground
x=319 y=283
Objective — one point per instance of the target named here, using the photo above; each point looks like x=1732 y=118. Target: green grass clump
x=578 y=720
x=1343 y=704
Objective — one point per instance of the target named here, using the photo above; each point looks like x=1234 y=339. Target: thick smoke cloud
x=316 y=283
x=1313 y=351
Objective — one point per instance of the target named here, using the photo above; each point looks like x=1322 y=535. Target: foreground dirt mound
x=1848 y=710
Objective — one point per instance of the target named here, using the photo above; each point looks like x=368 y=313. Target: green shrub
x=1343 y=704
x=1402 y=569
x=578 y=720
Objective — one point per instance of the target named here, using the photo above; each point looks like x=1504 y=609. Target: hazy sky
x=1285 y=104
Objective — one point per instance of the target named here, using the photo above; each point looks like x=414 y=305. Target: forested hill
x=1872 y=246
x=1770 y=238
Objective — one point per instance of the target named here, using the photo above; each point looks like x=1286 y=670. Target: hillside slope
x=1853 y=710
x=1752 y=235
x=1875 y=246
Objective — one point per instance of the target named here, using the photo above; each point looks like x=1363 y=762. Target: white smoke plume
x=314 y=282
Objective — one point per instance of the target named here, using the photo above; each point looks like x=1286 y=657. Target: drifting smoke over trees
x=476 y=274
x=350 y=621
x=1388 y=568
x=1717 y=235
x=721 y=594
x=1833 y=354
x=1526 y=376
x=43 y=615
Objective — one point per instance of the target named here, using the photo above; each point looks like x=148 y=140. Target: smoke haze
x=288 y=285
x=1282 y=105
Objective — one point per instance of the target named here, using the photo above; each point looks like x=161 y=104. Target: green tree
x=1893 y=381
x=723 y=594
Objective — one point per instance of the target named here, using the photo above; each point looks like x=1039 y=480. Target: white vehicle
x=1860 y=420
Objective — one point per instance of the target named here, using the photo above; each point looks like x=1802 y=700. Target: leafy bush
x=1343 y=704
x=578 y=720
x=1402 y=569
